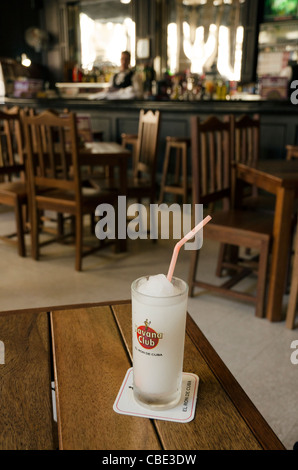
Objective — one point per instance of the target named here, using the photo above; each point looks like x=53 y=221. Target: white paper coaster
x=182 y=413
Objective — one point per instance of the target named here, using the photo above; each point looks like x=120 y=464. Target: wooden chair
x=55 y=178
x=245 y=148
x=143 y=183
x=13 y=190
x=212 y=183
x=176 y=147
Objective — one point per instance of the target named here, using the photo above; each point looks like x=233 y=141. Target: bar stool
x=180 y=145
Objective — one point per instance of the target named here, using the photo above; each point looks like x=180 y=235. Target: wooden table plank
x=219 y=422
x=26 y=418
x=90 y=364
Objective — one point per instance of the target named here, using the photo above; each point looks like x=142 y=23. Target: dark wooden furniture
x=13 y=189
x=108 y=154
x=177 y=147
x=212 y=183
x=130 y=141
x=292 y=305
x=292 y=153
x=91 y=349
x=55 y=175
x=281 y=179
x=245 y=148
x=143 y=183
x=117 y=117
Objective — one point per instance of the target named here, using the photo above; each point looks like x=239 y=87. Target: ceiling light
x=26 y=62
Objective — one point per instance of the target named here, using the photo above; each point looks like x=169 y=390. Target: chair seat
x=261 y=202
x=14 y=187
x=104 y=184
x=138 y=183
x=89 y=195
x=246 y=222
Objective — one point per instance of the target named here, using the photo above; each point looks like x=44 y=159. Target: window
x=106 y=29
x=206 y=35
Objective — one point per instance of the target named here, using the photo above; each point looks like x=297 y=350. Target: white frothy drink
x=158 y=331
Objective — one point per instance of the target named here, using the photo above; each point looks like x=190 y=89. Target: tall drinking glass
x=158 y=332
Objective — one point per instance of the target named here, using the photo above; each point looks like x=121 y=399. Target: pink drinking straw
x=181 y=243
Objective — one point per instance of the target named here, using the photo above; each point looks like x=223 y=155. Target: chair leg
x=262 y=274
x=164 y=172
x=20 y=229
x=184 y=175
x=220 y=259
x=60 y=224
x=34 y=218
x=177 y=170
x=227 y=253
x=192 y=271
x=291 y=311
x=79 y=242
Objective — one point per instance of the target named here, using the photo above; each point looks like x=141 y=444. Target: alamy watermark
x=294 y=355
x=294 y=95
x=158 y=221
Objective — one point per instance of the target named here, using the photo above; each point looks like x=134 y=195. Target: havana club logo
x=147 y=337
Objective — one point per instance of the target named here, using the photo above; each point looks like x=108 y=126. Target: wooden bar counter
x=113 y=117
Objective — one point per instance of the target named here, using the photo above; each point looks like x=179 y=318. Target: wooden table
x=88 y=350
x=110 y=154
x=279 y=177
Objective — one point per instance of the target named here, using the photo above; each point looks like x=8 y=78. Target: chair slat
x=50 y=151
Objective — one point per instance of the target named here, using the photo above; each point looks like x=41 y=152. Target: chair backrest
x=211 y=159
x=146 y=154
x=11 y=144
x=246 y=142
x=53 y=158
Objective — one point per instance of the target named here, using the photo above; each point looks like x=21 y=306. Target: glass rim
x=133 y=288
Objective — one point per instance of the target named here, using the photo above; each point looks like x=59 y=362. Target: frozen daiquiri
x=159 y=305
x=158 y=322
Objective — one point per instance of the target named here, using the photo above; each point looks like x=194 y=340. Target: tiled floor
x=256 y=351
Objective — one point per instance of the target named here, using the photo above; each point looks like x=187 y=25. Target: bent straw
x=181 y=243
